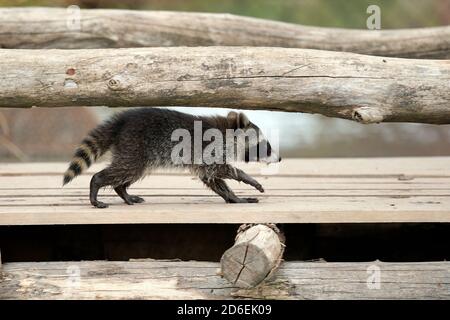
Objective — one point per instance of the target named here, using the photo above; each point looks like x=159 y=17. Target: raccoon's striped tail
x=97 y=142
x=86 y=153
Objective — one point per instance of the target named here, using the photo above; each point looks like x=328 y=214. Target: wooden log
x=199 y=280
x=56 y=28
x=255 y=255
x=362 y=88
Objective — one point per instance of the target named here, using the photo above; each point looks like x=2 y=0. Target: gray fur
x=140 y=140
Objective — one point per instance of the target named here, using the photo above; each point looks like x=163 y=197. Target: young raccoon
x=142 y=139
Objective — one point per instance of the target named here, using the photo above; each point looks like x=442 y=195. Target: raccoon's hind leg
x=129 y=199
x=99 y=180
x=119 y=175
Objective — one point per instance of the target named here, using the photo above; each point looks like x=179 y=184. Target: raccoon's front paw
x=136 y=199
x=244 y=200
x=259 y=188
x=133 y=199
x=255 y=184
x=100 y=205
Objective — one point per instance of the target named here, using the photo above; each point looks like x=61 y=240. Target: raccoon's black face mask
x=258 y=147
x=261 y=151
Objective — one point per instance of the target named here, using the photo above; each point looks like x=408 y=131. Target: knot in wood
x=70 y=71
x=116 y=83
x=367 y=115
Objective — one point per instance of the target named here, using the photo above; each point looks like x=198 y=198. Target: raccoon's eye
x=264 y=148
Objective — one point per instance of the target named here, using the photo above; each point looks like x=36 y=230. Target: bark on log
x=363 y=88
x=255 y=255
x=199 y=280
x=55 y=28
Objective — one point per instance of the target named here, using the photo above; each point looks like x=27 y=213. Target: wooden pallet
x=301 y=191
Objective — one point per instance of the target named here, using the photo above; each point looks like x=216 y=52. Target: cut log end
x=256 y=254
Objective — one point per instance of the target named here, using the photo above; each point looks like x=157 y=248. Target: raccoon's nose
x=279 y=159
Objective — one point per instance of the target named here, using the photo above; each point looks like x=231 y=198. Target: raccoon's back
x=149 y=132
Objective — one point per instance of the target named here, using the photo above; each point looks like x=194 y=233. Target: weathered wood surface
x=255 y=255
x=200 y=280
x=303 y=191
x=34 y=28
x=362 y=88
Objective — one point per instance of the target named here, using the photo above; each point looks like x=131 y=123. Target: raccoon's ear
x=243 y=121
x=237 y=120
x=232 y=119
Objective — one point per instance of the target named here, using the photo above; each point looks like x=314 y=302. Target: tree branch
x=39 y=28
x=363 y=88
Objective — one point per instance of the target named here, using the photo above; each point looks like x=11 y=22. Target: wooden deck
x=301 y=191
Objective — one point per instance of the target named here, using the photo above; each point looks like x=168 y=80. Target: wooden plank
x=152 y=279
x=336 y=167
x=212 y=210
x=188 y=182
x=28 y=196
x=47 y=195
x=339 y=191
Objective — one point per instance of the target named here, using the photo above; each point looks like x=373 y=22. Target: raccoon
x=141 y=139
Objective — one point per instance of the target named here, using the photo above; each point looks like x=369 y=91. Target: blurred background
x=51 y=134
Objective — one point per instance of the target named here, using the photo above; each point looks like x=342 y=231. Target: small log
x=256 y=254
x=39 y=28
